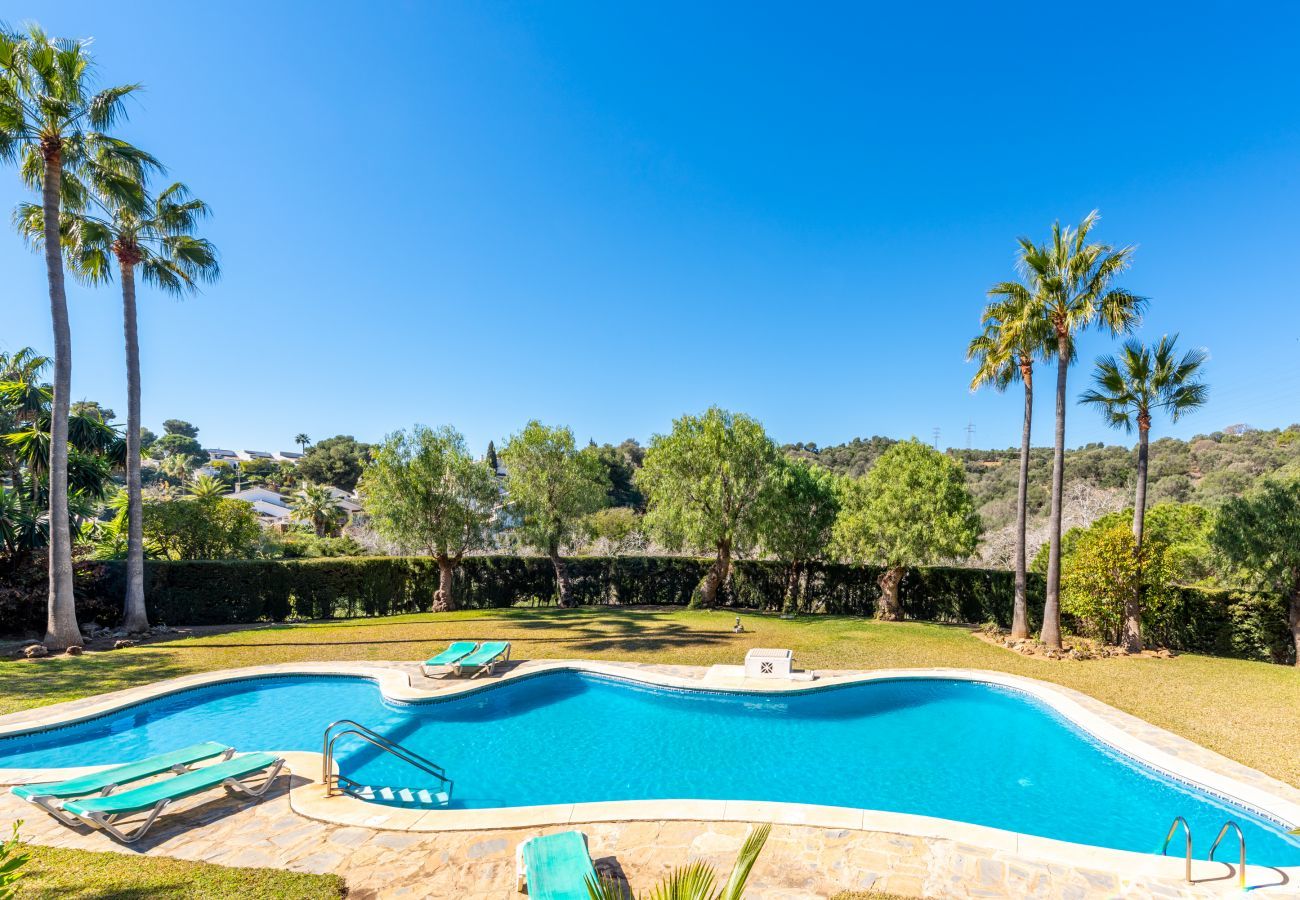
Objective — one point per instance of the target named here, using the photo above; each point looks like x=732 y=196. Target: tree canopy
x=338 y=461
x=705 y=484
x=553 y=487
x=911 y=509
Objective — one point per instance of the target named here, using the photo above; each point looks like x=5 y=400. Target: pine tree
x=492 y=456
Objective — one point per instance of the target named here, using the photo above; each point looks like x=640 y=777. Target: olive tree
x=706 y=484
x=911 y=509
x=423 y=491
x=1260 y=534
x=799 y=521
x=552 y=487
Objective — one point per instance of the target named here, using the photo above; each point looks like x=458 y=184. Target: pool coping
x=1106 y=724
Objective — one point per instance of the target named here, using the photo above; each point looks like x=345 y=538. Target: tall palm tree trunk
x=1132 y=638
x=1020 y=608
x=61 y=629
x=1051 y=634
x=135 y=618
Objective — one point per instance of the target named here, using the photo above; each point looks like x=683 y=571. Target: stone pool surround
x=1159 y=749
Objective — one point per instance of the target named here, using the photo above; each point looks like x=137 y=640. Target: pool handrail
x=330 y=779
x=1187 y=830
x=1241 y=840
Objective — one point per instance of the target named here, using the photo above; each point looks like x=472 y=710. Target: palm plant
x=53 y=126
x=154 y=239
x=1005 y=352
x=1145 y=380
x=301 y=440
x=206 y=487
x=318 y=507
x=694 y=881
x=1075 y=292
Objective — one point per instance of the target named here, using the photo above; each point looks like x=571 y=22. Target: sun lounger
x=105 y=782
x=449 y=657
x=487 y=657
x=554 y=866
x=101 y=812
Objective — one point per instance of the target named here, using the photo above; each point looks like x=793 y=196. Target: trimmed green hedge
x=224 y=592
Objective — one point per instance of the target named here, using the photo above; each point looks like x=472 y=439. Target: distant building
x=275 y=510
x=287 y=456
x=225 y=455
x=254 y=454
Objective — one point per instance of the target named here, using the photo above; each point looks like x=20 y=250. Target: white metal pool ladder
x=336 y=781
x=1187 y=831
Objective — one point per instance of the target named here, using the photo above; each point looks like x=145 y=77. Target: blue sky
x=606 y=215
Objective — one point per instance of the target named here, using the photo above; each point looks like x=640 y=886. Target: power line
x=936 y=437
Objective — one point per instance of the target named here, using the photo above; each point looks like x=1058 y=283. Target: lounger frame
x=54 y=805
x=503 y=657
x=107 y=821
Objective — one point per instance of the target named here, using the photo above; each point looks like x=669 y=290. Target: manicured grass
x=1244 y=710
x=82 y=875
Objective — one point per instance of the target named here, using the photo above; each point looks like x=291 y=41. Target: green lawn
x=82 y=875
x=1245 y=710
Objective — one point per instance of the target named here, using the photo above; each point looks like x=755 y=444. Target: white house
x=287 y=456
x=260 y=495
x=254 y=454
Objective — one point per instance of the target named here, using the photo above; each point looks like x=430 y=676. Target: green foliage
x=551 y=485
x=707 y=481
x=181 y=427
x=305 y=544
x=316 y=506
x=207 y=487
x=147 y=439
x=200 y=529
x=175 y=444
x=621 y=463
x=802 y=506
x=92 y=408
x=912 y=508
x=425 y=492
x=616 y=529
x=1180 y=533
x=1102 y=570
x=854 y=459
x=1259 y=534
x=11 y=863
x=1144 y=380
x=338 y=461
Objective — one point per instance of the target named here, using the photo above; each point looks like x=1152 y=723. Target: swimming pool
x=953 y=749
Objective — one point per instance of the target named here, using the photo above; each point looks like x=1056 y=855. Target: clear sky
x=606 y=215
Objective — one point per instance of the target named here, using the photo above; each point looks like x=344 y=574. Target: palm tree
x=695 y=881
x=205 y=487
x=156 y=240
x=318 y=507
x=1145 y=380
x=301 y=440
x=53 y=126
x=1012 y=341
x=1075 y=278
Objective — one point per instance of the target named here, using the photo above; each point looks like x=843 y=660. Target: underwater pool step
x=400 y=796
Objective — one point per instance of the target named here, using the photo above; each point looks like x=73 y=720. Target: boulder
x=123 y=644
x=74 y=650
x=35 y=651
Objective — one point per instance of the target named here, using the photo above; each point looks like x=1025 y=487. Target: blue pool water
x=952 y=749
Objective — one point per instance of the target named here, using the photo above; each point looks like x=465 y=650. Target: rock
x=35 y=651
x=74 y=650
x=118 y=634
x=88 y=631
x=123 y=644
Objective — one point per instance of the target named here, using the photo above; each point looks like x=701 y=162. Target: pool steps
x=415 y=798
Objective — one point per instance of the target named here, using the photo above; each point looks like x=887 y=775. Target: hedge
x=225 y=592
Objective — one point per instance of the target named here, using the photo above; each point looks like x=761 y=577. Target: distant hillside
x=1207 y=470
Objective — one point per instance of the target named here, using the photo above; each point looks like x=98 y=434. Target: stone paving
x=799 y=861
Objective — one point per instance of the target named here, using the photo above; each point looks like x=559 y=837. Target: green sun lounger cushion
x=485 y=654
x=456 y=652
x=118 y=775
x=148 y=796
x=557 y=866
